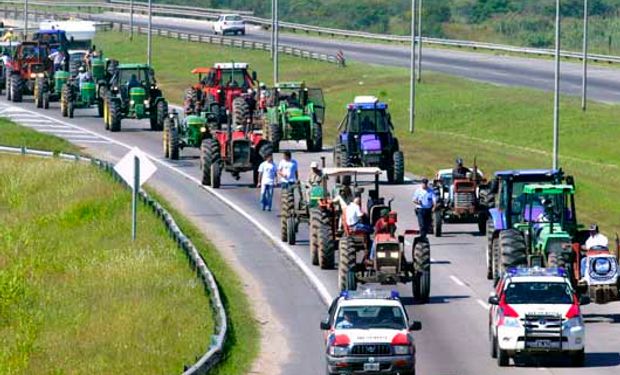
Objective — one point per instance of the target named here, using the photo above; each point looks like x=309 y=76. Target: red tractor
x=29 y=63
x=215 y=93
x=235 y=150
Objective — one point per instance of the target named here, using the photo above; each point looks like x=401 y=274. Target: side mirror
x=401 y=238
x=325 y=323
x=254 y=76
x=584 y=300
x=415 y=326
x=493 y=300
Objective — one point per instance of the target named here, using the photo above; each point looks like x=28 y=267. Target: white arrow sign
x=125 y=167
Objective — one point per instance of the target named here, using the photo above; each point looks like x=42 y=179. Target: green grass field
x=77 y=296
x=503 y=127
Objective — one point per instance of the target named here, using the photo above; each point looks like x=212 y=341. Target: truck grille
x=371 y=349
x=463 y=200
x=543 y=332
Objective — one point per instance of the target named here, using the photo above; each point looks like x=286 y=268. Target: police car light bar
x=536 y=271
x=370 y=294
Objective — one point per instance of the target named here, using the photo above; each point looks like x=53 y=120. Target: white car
x=229 y=24
x=536 y=310
x=368 y=332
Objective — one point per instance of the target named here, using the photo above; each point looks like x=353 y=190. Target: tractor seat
x=347 y=229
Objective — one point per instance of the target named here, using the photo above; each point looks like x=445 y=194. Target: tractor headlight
x=40 y=75
x=146 y=103
x=381 y=254
x=203 y=129
x=132 y=102
x=33 y=75
x=219 y=91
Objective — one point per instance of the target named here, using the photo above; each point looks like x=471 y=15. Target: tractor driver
x=596 y=241
x=292 y=100
x=83 y=76
x=458 y=173
x=133 y=82
x=366 y=125
x=316 y=175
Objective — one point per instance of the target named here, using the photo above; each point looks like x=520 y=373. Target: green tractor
x=133 y=93
x=179 y=134
x=48 y=87
x=295 y=112
x=88 y=94
x=542 y=234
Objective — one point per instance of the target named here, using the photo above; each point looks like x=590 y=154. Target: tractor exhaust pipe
x=323 y=162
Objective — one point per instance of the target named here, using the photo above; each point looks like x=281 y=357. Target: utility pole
x=25 y=19
x=420 y=40
x=556 y=101
x=276 y=37
x=584 y=88
x=130 y=19
x=273 y=26
x=149 y=42
x=412 y=72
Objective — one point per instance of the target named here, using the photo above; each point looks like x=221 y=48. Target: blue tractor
x=504 y=200
x=366 y=139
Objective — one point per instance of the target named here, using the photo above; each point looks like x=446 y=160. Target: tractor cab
x=56 y=39
x=134 y=83
x=226 y=81
x=366 y=138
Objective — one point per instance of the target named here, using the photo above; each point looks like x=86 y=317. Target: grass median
x=78 y=296
x=503 y=127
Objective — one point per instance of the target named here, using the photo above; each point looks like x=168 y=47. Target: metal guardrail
x=215 y=352
x=37 y=14
x=203 y=13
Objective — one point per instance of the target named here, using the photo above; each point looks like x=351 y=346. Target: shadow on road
x=433 y=300
x=593 y=360
x=601 y=318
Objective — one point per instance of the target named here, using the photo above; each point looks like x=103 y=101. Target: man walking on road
x=287 y=170
x=425 y=200
x=267 y=175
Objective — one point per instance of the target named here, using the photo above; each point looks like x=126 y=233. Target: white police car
x=536 y=310
x=368 y=332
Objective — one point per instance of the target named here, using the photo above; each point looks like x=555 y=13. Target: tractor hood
x=297 y=115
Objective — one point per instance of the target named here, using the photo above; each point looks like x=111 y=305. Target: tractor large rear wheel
x=287 y=203
x=275 y=136
x=209 y=154
x=399 y=167
x=513 y=248
x=346 y=276
x=240 y=112
x=8 y=86
x=327 y=256
x=315 y=142
x=315 y=225
x=422 y=270
x=291 y=230
x=38 y=92
x=16 y=88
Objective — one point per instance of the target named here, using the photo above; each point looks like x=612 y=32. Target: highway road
x=454 y=336
x=497 y=69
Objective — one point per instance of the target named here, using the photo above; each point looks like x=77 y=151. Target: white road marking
x=483 y=304
x=88 y=141
x=286 y=249
x=55 y=131
x=43 y=126
x=457 y=280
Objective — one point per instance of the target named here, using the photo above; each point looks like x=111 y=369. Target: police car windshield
x=368 y=121
x=368 y=317
x=553 y=293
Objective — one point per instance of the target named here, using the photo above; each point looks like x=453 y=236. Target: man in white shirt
x=596 y=239
x=288 y=171
x=83 y=76
x=355 y=216
x=267 y=174
x=59 y=59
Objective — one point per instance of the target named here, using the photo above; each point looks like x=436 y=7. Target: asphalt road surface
x=502 y=70
x=454 y=338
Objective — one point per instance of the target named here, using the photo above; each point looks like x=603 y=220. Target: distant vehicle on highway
x=368 y=332
x=229 y=24
x=536 y=311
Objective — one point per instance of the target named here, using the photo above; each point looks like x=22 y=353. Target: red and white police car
x=368 y=332
x=536 y=310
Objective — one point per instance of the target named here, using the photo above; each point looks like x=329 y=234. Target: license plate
x=371 y=367
x=542 y=344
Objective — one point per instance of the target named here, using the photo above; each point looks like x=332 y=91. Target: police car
x=368 y=332
x=536 y=310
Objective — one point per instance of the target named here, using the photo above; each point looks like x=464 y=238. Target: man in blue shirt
x=425 y=200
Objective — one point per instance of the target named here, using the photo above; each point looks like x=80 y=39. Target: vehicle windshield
x=233 y=18
x=540 y=207
x=552 y=293
x=233 y=77
x=77 y=56
x=141 y=77
x=292 y=100
x=368 y=121
x=33 y=52
x=367 y=317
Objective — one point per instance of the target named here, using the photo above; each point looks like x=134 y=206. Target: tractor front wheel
x=158 y=115
x=173 y=138
x=291 y=233
x=166 y=138
x=70 y=108
x=38 y=92
x=421 y=270
x=114 y=115
x=8 y=87
x=64 y=99
x=327 y=257
x=216 y=175
x=209 y=154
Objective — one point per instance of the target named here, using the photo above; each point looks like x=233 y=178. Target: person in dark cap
x=425 y=202
x=459 y=171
